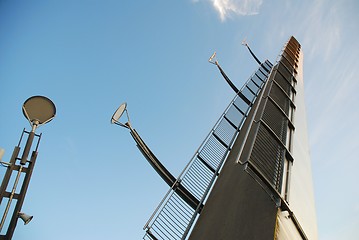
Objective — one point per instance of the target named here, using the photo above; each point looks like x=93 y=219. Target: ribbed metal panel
x=234 y=116
x=283 y=83
x=289 y=56
x=213 y=151
x=284 y=71
x=268 y=149
x=257 y=80
x=276 y=120
x=241 y=105
x=248 y=94
x=268 y=156
x=267 y=66
x=253 y=86
x=287 y=64
x=200 y=174
x=225 y=131
x=172 y=221
x=280 y=98
x=293 y=49
x=262 y=73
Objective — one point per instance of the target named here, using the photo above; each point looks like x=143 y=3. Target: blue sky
x=88 y=56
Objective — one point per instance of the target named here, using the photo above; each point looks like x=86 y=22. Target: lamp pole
x=215 y=62
x=244 y=43
x=164 y=173
x=38 y=110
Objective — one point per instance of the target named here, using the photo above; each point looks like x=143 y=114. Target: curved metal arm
x=174 y=183
x=163 y=172
x=231 y=84
x=215 y=62
x=244 y=42
x=259 y=62
x=152 y=159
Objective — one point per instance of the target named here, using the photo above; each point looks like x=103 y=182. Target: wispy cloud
x=322 y=19
x=335 y=100
x=228 y=8
x=332 y=69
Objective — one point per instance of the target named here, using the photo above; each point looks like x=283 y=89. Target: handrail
x=199 y=175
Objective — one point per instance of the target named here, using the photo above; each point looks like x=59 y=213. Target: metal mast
x=38 y=110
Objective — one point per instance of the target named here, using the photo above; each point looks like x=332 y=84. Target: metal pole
x=10 y=198
x=38 y=110
x=27 y=148
x=29 y=143
x=22 y=194
x=20 y=198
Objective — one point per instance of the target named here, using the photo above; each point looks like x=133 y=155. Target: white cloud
x=335 y=98
x=322 y=19
x=226 y=8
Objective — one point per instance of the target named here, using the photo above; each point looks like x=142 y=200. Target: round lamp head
x=39 y=110
x=117 y=115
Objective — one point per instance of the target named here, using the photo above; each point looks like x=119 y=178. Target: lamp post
x=215 y=62
x=148 y=154
x=244 y=43
x=164 y=173
x=38 y=110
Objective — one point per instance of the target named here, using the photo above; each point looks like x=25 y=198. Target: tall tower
x=264 y=190
x=251 y=176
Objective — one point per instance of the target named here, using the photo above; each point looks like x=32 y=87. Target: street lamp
x=244 y=43
x=38 y=110
x=151 y=158
x=215 y=62
x=173 y=182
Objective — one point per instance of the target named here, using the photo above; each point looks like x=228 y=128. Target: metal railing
x=174 y=217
